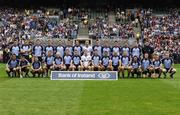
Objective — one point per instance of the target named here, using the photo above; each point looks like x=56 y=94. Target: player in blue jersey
x=96 y=61
x=49 y=60
x=12 y=66
x=76 y=61
x=24 y=67
x=146 y=66
x=106 y=48
x=136 y=67
x=116 y=62
x=37 y=50
x=106 y=62
x=116 y=48
x=58 y=63
x=26 y=50
x=126 y=49
x=125 y=64
x=49 y=48
x=136 y=51
x=67 y=59
x=98 y=47
x=36 y=67
x=15 y=49
x=168 y=66
x=77 y=47
x=60 y=49
x=157 y=66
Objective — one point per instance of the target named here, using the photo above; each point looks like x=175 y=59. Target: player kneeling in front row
x=58 y=63
x=125 y=64
x=96 y=61
x=157 y=67
x=24 y=67
x=12 y=66
x=146 y=66
x=76 y=62
x=168 y=66
x=135 y=65
x=85 y=61
x=36 y=67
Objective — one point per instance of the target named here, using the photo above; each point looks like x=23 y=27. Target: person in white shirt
x=85 y=61
x=87 y=47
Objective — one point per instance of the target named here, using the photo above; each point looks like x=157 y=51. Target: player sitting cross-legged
x=36 y=67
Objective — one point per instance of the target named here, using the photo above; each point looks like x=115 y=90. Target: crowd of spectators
x=162 y=31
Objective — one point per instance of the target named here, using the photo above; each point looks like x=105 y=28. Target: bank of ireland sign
x=84 y=75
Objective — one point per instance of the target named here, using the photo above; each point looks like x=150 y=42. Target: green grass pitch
x=41 y=96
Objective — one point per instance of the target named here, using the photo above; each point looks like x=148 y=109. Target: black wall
x=90 y=3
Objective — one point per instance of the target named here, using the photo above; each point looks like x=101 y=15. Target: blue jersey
x=23 y=63
x=13 y=63
x=99 y=49
x=36 y=64
x=167 y=62
x=70 y=48
x=76 y=60
x=26 y=48
x=38 y=50
x=135 y=64
x=106 y=49
x=49 y=48
x=58 y=60
x=67 y=59
x=145 y=63
x=126 y=50
x=96 y=59
x=136 y=51
x=49 y=60
x=105 y=61
x=156 y=63
x=116 y=49
x=15 y=50
x=78 y=48
x=125 y=60
x=60 y=50
x=115 y=60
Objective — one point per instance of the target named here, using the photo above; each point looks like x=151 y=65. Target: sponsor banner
x=84 y=75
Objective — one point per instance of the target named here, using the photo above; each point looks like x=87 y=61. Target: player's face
x=38 y=42
x=146 y=56
x=95 y=52
x=156 y=57
x=97 y=42
x=85 y=52
x=16 y=43
x=167 y=55
x=13 y=57
x=75 y=52
x=115 y=54
x=67 y=52
x=126 y=45
x=49 y=42
x=26 y=42
x=116 y=43
x=106 y=54
x=49 y=53
x=87 y=43
x=36 y=59
x=77 y=42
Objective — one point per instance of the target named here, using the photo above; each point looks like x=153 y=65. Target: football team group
x=40 y=60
